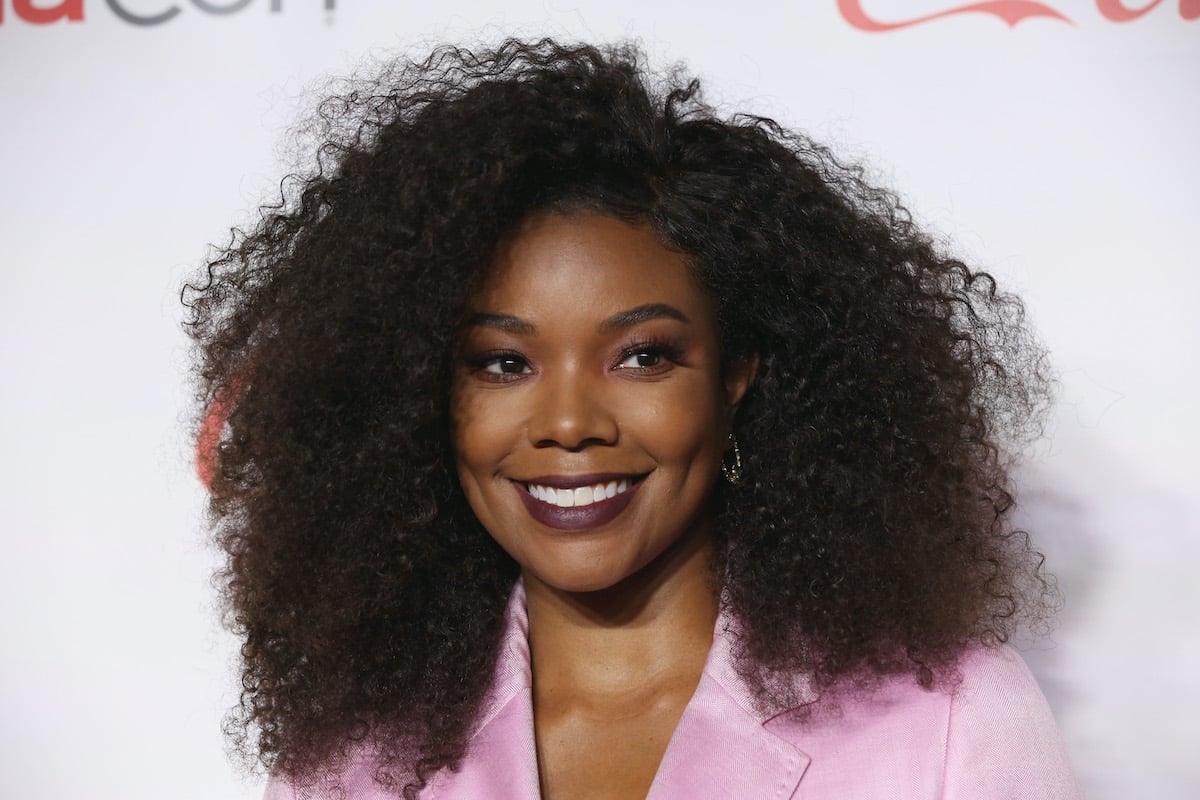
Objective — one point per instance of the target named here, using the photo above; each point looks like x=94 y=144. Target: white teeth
x=581 y=496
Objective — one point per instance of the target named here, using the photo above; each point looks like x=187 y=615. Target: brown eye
x=505 y=365
x=642 y=360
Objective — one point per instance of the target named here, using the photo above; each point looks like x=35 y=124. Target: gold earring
x=732 y=472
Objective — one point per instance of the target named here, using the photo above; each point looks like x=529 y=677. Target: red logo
x=1011 y=11
x=72 y=10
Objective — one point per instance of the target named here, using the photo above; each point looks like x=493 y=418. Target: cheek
x=483 y=433
x=468 y=435
x=473 y=453
x=680 y=429
x=471 y=437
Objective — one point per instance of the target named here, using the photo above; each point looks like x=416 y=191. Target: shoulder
x=989 y=735
x=1003 y=734
x=997 y=687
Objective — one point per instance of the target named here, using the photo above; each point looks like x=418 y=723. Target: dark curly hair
x=871 y=535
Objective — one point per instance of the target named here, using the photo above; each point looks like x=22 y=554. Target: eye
x=642 y=359
x=650 y=358
x=498 y=367
x=504 y=365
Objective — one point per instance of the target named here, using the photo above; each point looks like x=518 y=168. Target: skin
x=591 y=348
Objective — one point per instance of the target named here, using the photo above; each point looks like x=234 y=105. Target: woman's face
x=590 y=410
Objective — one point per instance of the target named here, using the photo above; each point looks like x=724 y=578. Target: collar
x=723 y=746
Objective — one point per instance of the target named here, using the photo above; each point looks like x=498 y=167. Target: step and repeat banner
x=1056 y=144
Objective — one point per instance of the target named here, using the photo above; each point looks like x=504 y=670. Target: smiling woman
x=580 y=443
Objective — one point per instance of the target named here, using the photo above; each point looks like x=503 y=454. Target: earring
x=732 y=472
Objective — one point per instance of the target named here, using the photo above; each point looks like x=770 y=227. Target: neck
x=653 y=627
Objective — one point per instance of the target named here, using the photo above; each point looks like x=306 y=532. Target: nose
x=571 y=412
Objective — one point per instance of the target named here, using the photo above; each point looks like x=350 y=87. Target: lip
x=578 y=518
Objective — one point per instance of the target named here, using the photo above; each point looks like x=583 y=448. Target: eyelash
x=479 y=365
x=664 y=350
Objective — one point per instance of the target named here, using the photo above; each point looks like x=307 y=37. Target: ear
x=740 y=372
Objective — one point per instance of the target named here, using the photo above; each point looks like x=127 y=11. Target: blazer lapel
x=501 y=761
x=501 y=758
x=722 y=747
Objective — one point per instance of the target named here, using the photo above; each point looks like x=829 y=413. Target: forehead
x=587 y=263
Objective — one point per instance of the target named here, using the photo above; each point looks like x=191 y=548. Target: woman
x=575 y=442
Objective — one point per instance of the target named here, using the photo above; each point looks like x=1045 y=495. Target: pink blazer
x=993 y=737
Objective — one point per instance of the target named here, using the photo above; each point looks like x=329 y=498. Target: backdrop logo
x=1011 y=11
x=163 y=11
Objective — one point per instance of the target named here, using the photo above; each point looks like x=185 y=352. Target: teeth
x=581 y=496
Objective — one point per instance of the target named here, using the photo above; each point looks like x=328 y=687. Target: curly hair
x=870 y=537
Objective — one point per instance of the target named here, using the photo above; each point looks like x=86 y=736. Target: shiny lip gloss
x=578 y=518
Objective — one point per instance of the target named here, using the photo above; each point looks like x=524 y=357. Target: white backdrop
x=1061 y=153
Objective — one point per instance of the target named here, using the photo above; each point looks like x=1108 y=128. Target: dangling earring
x=732 y=472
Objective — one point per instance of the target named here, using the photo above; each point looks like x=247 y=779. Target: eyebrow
x=503 y=322
x=636 y=316
x=619 y=321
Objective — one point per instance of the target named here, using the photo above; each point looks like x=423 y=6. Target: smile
x=582 y=496
x=576 y=503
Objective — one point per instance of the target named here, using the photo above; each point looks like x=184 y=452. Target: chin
x=579 y=584
x=582 y=578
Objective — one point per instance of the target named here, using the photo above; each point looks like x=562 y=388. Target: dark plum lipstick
x=577 y=518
